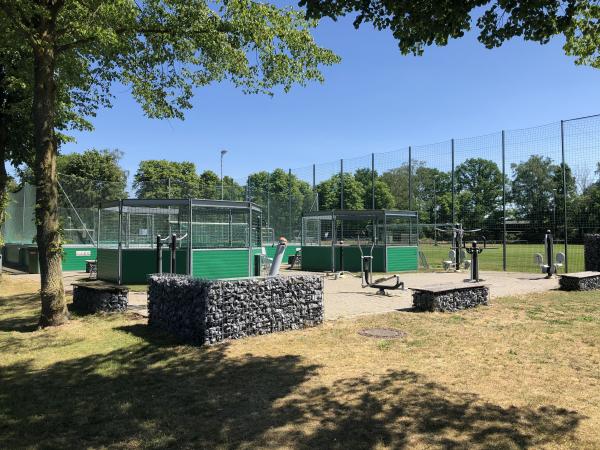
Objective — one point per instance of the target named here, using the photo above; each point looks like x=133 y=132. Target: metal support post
x=503 y=202
x=564 y=182
x=372 y=180
x=453 y=186
x=410 y=178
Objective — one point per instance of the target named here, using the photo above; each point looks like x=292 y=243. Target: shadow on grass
x=17 y=313
x=160 y=395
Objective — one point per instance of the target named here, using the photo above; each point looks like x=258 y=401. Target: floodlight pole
x=223 y=153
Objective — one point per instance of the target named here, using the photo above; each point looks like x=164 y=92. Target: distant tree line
x=535 y=198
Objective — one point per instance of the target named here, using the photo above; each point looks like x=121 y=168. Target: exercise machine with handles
x=367 y=273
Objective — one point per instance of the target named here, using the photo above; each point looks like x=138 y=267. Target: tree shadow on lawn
x=156 y=394
x=16 y=313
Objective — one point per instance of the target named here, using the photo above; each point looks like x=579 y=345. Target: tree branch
x=222 y=28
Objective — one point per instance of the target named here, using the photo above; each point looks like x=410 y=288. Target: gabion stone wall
x=449 y=299
x=95 y=298
x=591 y=244
x=582 y=281
x=202 y=311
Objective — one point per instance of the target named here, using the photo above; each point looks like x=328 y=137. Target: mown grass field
x=519 y=257
x=523 y=372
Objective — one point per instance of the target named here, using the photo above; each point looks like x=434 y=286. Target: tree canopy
x=416 y=25
x=92 y=176
x=161 y=50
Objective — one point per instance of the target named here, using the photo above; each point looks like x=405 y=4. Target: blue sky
x=375 y=100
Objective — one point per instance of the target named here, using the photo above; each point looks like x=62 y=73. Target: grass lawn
x=519 y=257
x=521 y=372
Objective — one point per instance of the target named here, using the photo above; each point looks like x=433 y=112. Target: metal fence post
x=453 y=185
x=269 y=200
x=372 y=180
x=503 y=203
x=290 y=203
x=564 y=180
x=341 y=184
x=410 y=181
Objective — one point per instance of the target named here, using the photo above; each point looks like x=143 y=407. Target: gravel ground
x=345 y=297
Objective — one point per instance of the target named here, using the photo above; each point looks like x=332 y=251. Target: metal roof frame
x=360 y=214
x=146 y=202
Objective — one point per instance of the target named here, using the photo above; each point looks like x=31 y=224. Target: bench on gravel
x=95 y=296
x=450 y=297
x=579 y=281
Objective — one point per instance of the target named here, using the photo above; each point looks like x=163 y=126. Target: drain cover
x=382 y=333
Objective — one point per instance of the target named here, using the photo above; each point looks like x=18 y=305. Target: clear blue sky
x=375 y=100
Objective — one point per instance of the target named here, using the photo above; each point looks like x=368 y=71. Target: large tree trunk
x=54 y=308
x=3 y=180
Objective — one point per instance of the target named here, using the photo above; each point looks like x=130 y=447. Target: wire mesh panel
x=582 y=154
x=317 y=230
x=358 y=186
x=392 y=179
x=109 y=229
x=328 y=185
x=431 y=195
x=533 y=161
x=19 y=227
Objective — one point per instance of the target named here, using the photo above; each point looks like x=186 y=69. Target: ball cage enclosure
x=216 y=239
x=332 y=240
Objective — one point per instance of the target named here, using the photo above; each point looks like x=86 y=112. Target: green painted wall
x=402 y=259
x=108 y=264
x=316 y=258
x=19 y=255
x=137 y=264
x=290 y=250
x=214 y=264
x=74 y=258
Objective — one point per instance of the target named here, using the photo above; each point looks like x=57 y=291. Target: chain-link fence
x=507 y=188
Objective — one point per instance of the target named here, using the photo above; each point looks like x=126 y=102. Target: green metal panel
x=290 y=250
x=137 y=264
x=108 y=264
x=402 y=259
x=316 y=258
x=74 y=258
x=220 y=263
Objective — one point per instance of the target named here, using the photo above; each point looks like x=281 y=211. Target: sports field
x=519 y=257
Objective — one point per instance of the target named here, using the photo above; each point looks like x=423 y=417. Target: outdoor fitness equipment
x=279 y=252
x=475 y=251
x=367 y=273
x=457 y=256
x=551 y=268
x=172 y=246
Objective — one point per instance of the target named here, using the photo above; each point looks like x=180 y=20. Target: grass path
x=523 y=372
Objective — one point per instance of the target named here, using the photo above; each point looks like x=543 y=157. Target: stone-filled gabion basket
x=450 y=300
x=91 y=298
x=572 y=282
x=591 y=244
x=206 y=312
